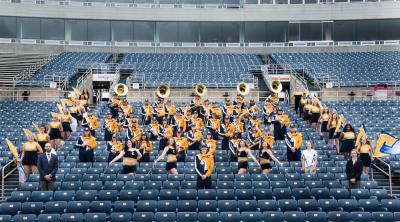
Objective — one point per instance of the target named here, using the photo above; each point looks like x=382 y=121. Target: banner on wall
x=103 y=77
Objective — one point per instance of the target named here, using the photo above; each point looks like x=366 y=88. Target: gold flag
x=13 y=149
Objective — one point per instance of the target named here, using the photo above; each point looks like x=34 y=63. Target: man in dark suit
x=354 y=169
x=47 y=166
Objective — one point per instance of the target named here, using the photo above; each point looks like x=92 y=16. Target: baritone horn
x=243 y=88
x=200 y=89
x=121 y=89
x=163 y=91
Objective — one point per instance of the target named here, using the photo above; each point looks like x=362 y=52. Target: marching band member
x=226 y=131
x=86 y=145
x=205 y=111
x=113 y=104
x=197 y=121
x=267 y=112
x=234 y=146
x=184 y=108
x=164 y=133
x=365 y=150
x=333 y=135
x=182 y=145
x=211 y=144
x=55 y=129
x=145 y=147
x=121 y=119
x=159 y=112
x=178 y=122
x=254 y=137
x=242 y=157
x=274 y=99
x=216 y=110
x=253 y=108
x=110 y=127
x=133 y=133
x=146 y=112
x=315 y=114
x=114 y=147
x=293 y=141
x=347 y=139
x=324 y=119
x=237 y=110
x=281 y=122
x=131 y=120
x=171 y=152
x=255 y=122
x=154 y=126
x=76 y=112
x=66 y=121
x=307 y=111
x=170 y=110
x=227 y=109
x=239 y=126
x=239 y=100
x=127 y=109
x=29 y=156
x=188 y=118
x=194 y=137
x=130 y=157
x=297 y=97
x=214 y=125
x=303 y=102
x=91 y=122
x=265 y=155
x=204 y=165
x=42 y=137
x=196 y=103
x=266 y=137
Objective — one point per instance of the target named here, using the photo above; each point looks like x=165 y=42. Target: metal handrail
x=3 y=176
x=389 y=174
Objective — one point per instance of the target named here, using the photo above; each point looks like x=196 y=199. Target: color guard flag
x=36 y=127
x=13 y=149
x=340 y=124
x=27 y=132
x=386 y=145
x=361 y=134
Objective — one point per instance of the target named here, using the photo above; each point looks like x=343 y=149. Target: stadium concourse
x=96 y=192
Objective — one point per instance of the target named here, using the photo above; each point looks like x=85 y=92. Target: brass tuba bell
x=121 y=89
x=200 y=89
x=243 y=88
x=163 y=91
x=275 y=86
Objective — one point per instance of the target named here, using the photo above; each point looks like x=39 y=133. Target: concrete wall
x=36 y=94
x=48 y=49
x=307 y=12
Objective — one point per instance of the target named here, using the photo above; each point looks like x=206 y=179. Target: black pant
x=93 y=133
x=194 y=146
x=355 y=185
x=293 y=156
x=86 y=155
x=46 y=185
x=225 y=143
x=203 y=184
x=107 y=135
x=297 y=99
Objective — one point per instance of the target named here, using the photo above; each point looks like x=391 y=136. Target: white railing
x=5 y=174
x=388 y=173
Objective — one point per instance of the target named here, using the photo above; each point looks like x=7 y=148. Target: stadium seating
x=65 y=65
x=346 y=68
x=186 y=70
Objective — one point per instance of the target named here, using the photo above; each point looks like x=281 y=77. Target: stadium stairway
x=383 y=181
x=11 y=183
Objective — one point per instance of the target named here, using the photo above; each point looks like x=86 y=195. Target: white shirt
x=48 y=155
x=309 y=157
